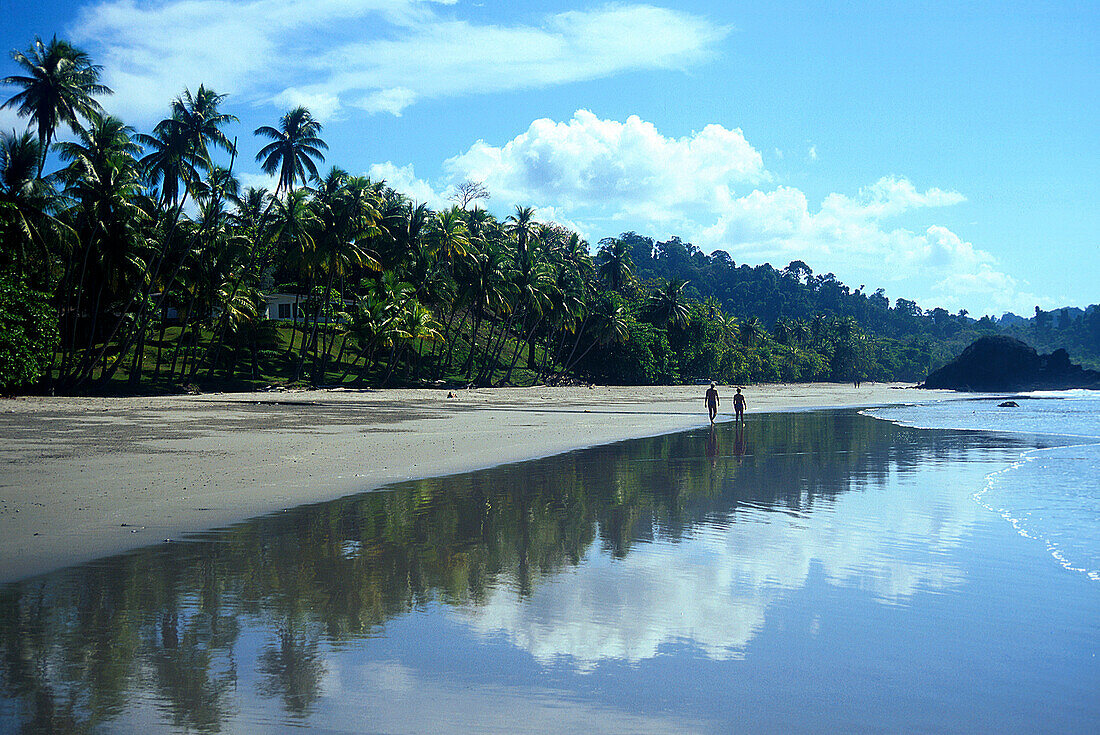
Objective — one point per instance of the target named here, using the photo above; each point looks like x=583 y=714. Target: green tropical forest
x=140 y=264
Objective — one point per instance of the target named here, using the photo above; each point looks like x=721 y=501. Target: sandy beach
x=84 y=477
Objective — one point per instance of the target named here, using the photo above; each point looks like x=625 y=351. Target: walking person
x=712 y=401
x=738 y=406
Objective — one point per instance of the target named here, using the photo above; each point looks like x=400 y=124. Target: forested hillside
x=135 y=261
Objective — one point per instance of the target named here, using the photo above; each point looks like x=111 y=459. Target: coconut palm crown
x=295 y=144
x=58 y=86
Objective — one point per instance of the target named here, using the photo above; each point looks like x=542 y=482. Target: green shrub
x=28 y=335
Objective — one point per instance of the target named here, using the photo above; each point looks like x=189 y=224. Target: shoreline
x=82 y=478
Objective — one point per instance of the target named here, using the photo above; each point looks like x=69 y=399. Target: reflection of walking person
x=712 y=445
x=739 y=405
x=712 y=401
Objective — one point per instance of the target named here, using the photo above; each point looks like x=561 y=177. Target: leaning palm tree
x=58 y=86
x=293 y=223
x=295 y=144
x=608 y=325
x=105 y=136
x=347 y=221
x=197 y=116
x=166 y=164
x=29 y=224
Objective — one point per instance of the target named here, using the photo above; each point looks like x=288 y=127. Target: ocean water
x=806 y=572
x=1049 y=494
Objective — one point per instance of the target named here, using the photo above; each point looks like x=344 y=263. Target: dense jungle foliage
x=140 y=263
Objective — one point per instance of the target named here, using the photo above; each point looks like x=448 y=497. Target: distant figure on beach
x=712 y=401
x=739 y=406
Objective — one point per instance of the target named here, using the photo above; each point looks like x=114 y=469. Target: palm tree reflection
x=78 y=647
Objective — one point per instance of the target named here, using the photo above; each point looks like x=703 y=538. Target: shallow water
x=813 y=572
x=1051 y=495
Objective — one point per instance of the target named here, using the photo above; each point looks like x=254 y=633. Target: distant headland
x=1000 y=363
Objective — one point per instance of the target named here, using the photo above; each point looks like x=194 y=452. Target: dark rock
x=1000 y=363
x=1008 y=404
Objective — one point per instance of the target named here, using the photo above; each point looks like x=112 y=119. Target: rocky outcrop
x=993 y=364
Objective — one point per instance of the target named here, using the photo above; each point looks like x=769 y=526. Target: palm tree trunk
x=519 y=346
x=154 y=272
x=469 y=366
x=305 y=347
x=69 y=355
x=320 y=361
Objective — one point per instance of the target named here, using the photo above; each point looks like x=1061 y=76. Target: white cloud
x=405 y=699
x=379 y=55
x=712 y=189
x=888 y=197
x=404 y=180
x=323 y=105
x=10 y=120
x=257 y=181
x=393 y=100
x=613 y=169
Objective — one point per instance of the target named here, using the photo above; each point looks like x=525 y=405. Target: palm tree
x=607 y=325
x=818 y=329
x=783 y=331
x=104 y=137
x=750 y=331
x=29 y=226
x=414 y=324
x=447 y=234
x=485 y=284
x=523 y=229
x=167 y=163
x=347 y=220
x=295 y=144
x=293 y=223
x=801 y=331
x=107 y=188
x=534 y=289
x=613 y=263
x=667 y=305
x=179 y=145
x=199 y=120
x=58 y=87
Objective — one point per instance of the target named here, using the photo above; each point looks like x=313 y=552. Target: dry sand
x=85 y=477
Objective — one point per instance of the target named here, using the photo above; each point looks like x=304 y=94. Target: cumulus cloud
x=377 y=55
x=613 y=169
x=712 y=188
x=404 y=180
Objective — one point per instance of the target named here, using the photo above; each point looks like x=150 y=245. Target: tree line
x=141 y=263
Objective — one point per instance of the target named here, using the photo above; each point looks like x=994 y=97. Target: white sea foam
x=1050 y=494
x=1061 y=509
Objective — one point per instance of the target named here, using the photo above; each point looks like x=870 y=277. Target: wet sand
x=84 y=477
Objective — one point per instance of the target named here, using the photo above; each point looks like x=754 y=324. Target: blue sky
x=947 y=152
